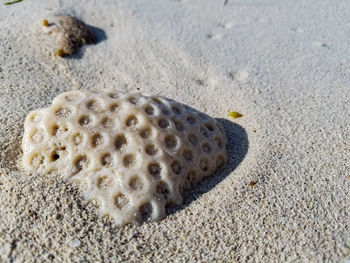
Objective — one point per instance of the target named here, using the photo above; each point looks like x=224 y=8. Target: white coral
x=135 y=153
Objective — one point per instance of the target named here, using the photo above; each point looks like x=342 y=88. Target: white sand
x=283 y=64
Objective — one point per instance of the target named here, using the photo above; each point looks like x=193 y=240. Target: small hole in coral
x=113 y=95
x=156 y=100
x=113 y=107
x=96 y=140
x=131 y=121
x=220 y=160
x=107 y=122
x=191 y=120
x=80 y=163
x=218 y=142
x=210 y=127
x=165 y=111
x=77 y=139
x=188 y=155
x=204 y=164
x=93 y=105
x=120 y=201
x=176 y=109
x=190 y=177
x=129 y=160
x=151 y=149
x=192 y=138
x=154 y=169
x=204 y=132
x=84 y=120
x=37 y=160
x=37 y=136
x=176 y=167
x=146 y=211
x=149 y=110
x=163 y=123
x=62 y=112
x=106 y=159
x=145 y=133
x=54 y=156
x=206 y=147
x=54 y=129
x=104 y=182
x=120 y=141
x=170 y=141
x=178 y=125
x=133 y=100
x=163 y=189
x=135 y=183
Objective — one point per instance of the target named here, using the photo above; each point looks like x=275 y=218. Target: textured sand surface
x=283 y=64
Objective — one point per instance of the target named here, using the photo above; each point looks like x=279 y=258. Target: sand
x=282 y=64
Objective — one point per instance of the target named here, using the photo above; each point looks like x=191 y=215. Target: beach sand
x=284 y=195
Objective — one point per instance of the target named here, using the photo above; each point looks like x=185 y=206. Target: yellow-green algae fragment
x=235 y=114
x=61 y=52
x=45 y=22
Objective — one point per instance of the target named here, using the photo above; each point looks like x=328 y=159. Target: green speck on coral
x=235 y=114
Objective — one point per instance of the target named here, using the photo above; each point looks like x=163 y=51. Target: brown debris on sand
x=73 y=33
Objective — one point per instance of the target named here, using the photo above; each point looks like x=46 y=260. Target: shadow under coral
x=237 y=148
